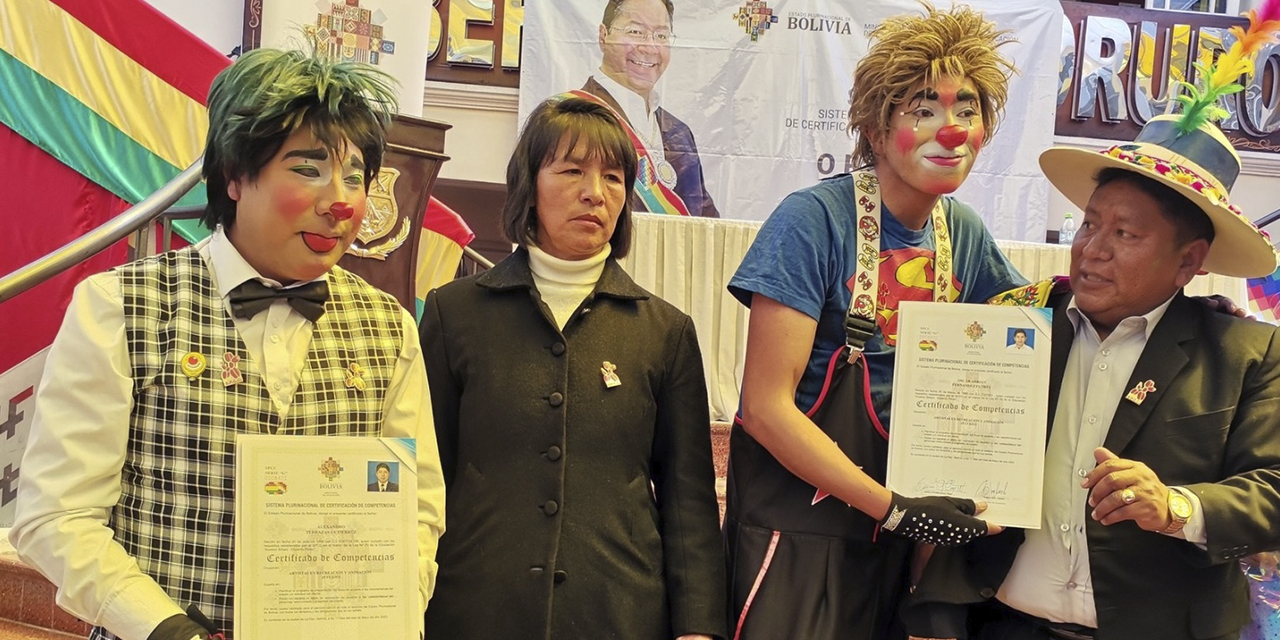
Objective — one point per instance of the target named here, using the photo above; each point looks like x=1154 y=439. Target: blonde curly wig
x=909 y=49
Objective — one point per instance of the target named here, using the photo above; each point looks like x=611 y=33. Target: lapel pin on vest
x=355 y=377
x=231 y=370
x=193 y=364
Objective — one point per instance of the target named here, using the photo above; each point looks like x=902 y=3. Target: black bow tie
x=253 y=297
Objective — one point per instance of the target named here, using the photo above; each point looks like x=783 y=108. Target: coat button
x=550 y=507
x=535 y=571
x=559 y=576
x=987 y=592
x=553 y=453
x=557 y=349
x=556 y=399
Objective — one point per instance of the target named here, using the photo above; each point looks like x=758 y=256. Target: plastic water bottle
x=1067 y=233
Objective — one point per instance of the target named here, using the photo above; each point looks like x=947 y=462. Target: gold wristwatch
x=1180 y=510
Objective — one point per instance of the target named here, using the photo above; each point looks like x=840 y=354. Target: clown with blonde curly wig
x=910 y=50
x=812 y=533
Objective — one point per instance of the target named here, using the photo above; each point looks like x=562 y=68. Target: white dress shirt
x=1050 y=576
x=642 y=114
x=71 y=471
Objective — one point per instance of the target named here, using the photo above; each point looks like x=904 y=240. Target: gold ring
x=1128 y=496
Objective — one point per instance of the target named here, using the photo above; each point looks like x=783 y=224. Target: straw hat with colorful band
x=1200 y=165
x=1189 y=154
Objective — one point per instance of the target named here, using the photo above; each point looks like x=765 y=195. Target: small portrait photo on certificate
x=1020 y=340
x=384 y=476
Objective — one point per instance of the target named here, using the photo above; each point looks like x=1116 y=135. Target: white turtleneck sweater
x=564 y=284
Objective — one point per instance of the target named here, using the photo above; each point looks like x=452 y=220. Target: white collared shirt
x=277 y=338
x=1050 y=577
x=643 y=117
x=79 y=437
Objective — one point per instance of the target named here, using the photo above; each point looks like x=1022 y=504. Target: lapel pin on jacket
x=609 y=371
x=1139 y=393
x=231 y=370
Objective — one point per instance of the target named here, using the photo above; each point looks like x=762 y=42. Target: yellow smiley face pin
x=193 y=364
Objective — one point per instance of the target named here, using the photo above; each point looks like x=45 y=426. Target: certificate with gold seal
x=326 y=538
x=970 y=406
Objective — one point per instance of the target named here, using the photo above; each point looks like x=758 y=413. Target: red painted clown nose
x=342 y=211
x=952 y=136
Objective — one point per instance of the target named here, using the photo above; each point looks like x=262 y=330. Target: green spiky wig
x=258 y=102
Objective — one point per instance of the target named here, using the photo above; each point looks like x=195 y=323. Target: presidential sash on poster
x=657 y=196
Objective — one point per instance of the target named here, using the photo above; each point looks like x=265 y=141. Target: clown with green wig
x=127 y=495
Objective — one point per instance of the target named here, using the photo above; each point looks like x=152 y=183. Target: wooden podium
x=386 y=251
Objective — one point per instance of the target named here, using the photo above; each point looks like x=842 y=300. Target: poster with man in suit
x=635 y=43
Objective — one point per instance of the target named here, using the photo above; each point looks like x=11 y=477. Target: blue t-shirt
x=805 y=257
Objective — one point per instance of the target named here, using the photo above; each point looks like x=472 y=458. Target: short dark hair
x=611 y=10
x=571 y=121
x=1190 y=221
x=1022 y=331
x=381 y=466
x=268 y=94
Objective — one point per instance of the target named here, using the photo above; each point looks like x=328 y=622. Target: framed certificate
x=970 y=406
x=326 y=538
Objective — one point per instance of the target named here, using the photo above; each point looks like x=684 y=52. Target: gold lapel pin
x=355 y=377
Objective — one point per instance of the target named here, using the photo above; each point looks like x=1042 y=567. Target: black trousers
x=995 y=621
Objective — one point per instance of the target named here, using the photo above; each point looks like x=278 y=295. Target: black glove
x=946 y=522
x=178 y=627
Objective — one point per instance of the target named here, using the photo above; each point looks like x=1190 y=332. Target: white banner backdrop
x=391 y=34
x=17 y=409
x=768 y=112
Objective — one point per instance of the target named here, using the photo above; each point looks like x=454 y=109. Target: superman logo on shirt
x=905 y=274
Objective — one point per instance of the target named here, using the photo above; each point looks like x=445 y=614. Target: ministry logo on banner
x=755 y=18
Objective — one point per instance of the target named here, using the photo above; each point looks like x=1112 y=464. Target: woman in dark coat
x=571 y=413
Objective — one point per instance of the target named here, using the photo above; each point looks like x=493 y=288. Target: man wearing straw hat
x=1163 y=460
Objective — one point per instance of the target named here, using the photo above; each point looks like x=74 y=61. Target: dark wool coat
x=574 y=510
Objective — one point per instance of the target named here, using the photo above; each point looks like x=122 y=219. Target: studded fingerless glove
x=946 y=522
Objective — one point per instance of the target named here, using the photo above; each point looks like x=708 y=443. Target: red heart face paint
x=934 y=136
x=342 y=211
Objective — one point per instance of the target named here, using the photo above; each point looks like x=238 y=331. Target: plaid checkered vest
x=177 y=502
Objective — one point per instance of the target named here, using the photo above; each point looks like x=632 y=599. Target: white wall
x=220 y=23
x=484 y=129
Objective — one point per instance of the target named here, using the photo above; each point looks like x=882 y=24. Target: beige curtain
x=689 y=261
